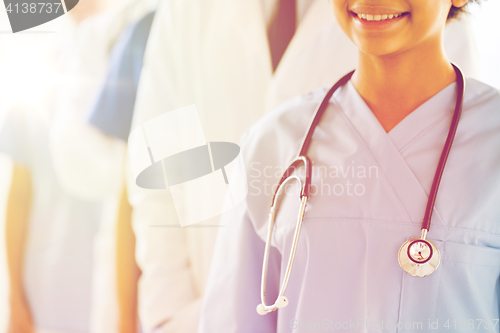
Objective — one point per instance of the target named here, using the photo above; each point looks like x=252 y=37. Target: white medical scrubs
x=58 y=257
x=369 y=195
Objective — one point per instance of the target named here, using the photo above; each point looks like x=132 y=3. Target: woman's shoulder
x=290 y=116
x=281 y=131
x=300 y=105
x=479 y=94
x=268 y=148
x=481 y=108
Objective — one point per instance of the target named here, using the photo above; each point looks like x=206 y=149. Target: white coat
x=215 y=54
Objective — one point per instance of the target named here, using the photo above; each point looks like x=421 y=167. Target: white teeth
x=370 y=17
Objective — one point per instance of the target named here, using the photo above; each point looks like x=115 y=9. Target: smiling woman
x=407 y=110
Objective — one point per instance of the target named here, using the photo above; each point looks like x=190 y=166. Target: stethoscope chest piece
x=419 y=257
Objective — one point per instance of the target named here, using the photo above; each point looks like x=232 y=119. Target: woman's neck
x=394 y=85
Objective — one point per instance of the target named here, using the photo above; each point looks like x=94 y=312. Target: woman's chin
x=378 y=49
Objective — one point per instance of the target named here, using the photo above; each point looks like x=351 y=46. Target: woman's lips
x=378 y=21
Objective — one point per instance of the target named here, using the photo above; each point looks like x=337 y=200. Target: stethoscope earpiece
x=281 y=302
x=261 y=309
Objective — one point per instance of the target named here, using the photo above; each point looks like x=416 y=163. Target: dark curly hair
x=455 y=12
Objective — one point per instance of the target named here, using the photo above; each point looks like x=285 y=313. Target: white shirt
x=369 y=193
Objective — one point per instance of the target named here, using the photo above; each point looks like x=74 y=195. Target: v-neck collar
x=385 y=147
x=438 y=107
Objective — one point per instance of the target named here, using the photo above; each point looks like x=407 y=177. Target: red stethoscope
x=418 y=257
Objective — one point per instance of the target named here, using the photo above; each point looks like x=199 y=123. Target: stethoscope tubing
x=302 y=157
x=426 y=224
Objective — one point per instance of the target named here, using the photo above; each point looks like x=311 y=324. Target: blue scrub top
x=369 y=191
x=113 y=110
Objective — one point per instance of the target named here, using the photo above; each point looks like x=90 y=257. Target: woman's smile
x=379 y=21
x=384 y=27
x=377 y=18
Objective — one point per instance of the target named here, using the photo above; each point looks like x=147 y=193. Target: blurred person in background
x=234 y=61
x=83 y=73
x=49 y=236
x=89 y=164
x=112 y=114
x=48 y=232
